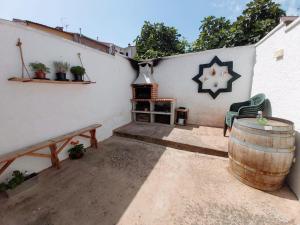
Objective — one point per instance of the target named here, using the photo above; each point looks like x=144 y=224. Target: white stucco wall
x=31 y=112
x=280 y=81
x=174 y=75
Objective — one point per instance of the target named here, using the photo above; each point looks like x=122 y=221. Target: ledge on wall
x=27 y=80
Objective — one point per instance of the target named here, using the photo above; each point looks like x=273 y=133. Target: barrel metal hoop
x=258 y=171
x=261 y=132
x=262 y=148
x=259 y=127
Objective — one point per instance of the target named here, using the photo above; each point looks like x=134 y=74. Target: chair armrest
x=236 y=106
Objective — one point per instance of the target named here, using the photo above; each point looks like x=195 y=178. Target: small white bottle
x=259 y=115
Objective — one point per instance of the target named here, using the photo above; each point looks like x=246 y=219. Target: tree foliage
x=258 y=19
x=214 y=33
x=157 y=40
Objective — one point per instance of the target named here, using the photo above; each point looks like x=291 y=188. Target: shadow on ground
x=128 y=182
x=102 y=184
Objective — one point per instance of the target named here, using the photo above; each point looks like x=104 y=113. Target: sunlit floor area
x=130 y=182
x=203 y=139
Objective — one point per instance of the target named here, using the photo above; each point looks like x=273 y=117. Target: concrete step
x=167 y=136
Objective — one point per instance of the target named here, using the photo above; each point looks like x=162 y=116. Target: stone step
x=148 y=134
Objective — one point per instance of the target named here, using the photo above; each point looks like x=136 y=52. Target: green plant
x=39 y=67
x=77 y=70
x=17 y=179
x=3 y=187
x=214 y=33
x=158 y=40
x=77 y=149
x=61 y=67
x=257 y=19
x=262 y=121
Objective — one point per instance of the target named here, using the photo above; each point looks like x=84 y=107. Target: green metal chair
x=250 y=107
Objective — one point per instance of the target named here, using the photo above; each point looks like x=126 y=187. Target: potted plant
x=17 y=179
x=78 y=72
x=39 y=70
x=13 y=185
x=76 y=152
x=61 y=69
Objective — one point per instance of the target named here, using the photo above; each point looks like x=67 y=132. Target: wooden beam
x=33 y=154
x=3 y=168
x=85 y=136
x=63 y=145
x=21 y=152
x=75 y=133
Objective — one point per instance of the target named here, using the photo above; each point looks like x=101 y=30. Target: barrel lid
x=274 y=124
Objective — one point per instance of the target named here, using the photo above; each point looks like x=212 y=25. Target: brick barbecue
x=145 y=87
x=146 y=105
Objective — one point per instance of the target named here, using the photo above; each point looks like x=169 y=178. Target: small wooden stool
x=181 y=113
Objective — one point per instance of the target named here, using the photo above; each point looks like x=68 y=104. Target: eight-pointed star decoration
x=216 y=77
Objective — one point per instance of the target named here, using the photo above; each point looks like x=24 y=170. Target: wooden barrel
x=261 y=156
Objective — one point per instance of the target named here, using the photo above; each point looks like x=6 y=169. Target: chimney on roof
x=287 y=19
x=19 y=21
x=59 y=28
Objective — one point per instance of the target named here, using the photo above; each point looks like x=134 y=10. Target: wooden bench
x=52 y=144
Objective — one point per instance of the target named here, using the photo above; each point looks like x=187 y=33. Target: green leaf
x=158 y=40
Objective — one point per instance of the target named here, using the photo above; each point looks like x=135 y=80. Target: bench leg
x=3 y=168
x=54 y=157
x=94 y=142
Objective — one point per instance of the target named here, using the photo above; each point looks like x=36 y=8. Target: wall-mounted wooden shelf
x=25 y=80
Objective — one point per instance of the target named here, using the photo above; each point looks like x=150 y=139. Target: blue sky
x=120 y=21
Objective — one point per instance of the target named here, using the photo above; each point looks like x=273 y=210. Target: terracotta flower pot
x=40 y=75
x=76 y=155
